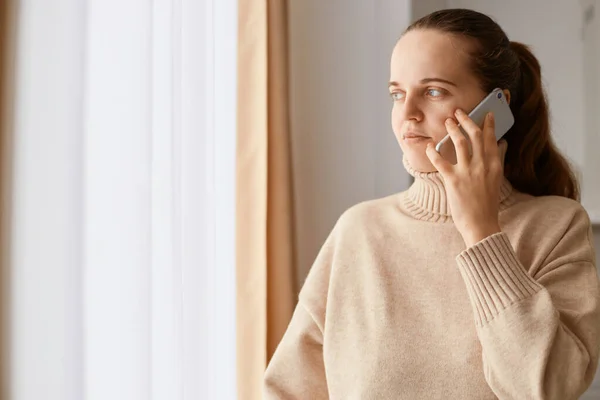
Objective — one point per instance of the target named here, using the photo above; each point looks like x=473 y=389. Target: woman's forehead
x=423 y=53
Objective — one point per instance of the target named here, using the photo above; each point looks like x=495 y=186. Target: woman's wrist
x=479 y=233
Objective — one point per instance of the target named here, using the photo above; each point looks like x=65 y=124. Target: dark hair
x=533 y=164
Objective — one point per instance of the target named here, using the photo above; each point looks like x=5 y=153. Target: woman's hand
x=473 y=184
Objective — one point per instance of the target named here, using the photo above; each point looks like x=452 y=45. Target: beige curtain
x=6 y=67
x=264 y=220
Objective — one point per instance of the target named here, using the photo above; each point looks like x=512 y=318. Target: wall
x=591 y=66
x=343 y=147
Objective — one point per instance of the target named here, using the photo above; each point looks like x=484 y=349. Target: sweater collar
x=426 y=197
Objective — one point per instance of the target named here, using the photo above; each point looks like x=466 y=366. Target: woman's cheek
x=396 y=122
x=442 y=114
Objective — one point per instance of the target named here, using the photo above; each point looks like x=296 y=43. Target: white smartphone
x=496 y=103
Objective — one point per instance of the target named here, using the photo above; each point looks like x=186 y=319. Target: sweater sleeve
x=540 y=336
x=296 y=370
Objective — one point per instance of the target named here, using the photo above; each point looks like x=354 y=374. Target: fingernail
x=449 y=121
x=459 y=112
x=490 y=117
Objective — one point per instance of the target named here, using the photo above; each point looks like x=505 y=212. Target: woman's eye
x=434 y=92
x=397 y=96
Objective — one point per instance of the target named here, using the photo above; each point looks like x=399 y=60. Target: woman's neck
x=426 y=198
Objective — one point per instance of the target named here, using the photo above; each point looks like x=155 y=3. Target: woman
x=479 y=281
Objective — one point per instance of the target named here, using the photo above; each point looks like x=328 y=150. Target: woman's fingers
x=443 y=166
x=461 y=143
x=489 y=137
x=475 y=133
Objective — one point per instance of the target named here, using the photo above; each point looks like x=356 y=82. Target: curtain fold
x=6 y=91
x=265 y=242
x=280 y=240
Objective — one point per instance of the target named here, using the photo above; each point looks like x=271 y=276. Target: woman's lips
x=415 y=137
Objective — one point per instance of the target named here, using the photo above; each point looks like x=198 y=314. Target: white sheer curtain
x=122 y=217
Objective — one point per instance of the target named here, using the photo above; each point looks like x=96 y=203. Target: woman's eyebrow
x=425 y=80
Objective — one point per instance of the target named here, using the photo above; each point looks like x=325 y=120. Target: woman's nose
x=411 y=109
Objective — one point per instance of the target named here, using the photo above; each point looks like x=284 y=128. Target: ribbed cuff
x=494 y=277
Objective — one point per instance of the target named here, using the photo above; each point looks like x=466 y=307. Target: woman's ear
x=507 y=95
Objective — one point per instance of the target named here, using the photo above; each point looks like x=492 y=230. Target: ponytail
x=533 y=164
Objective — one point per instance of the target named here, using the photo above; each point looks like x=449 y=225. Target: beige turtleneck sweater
x=395 y=307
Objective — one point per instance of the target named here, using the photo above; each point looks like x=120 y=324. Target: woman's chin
x=420 y=162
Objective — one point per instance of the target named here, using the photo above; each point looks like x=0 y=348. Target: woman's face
x=429 y=79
